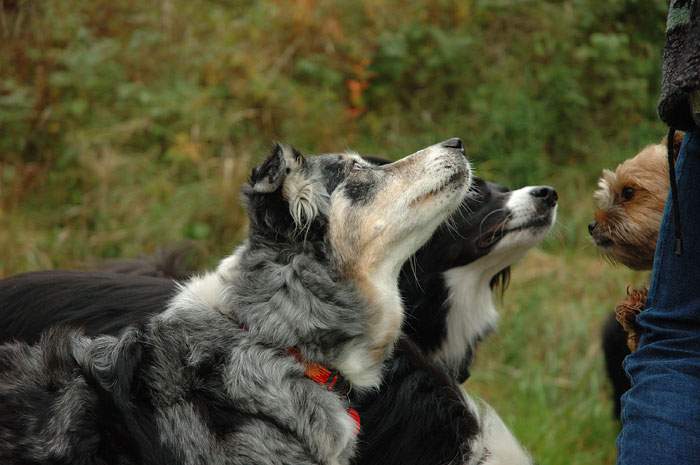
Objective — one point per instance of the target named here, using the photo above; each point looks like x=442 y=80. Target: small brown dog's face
x=630 y=207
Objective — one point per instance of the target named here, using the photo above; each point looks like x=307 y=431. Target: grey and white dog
x=212 y=380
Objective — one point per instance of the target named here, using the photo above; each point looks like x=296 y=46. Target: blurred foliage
x=126 y=124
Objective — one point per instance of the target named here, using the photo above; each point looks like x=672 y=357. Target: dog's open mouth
x=455 y=178
x=491 y=236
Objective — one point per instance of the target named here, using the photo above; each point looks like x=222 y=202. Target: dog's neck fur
x=471 y=316
x=453 y=310
x=291 y=300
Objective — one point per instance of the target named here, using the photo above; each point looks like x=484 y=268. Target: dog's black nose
x=454 y=143
x=547 y=194
x=591 y=227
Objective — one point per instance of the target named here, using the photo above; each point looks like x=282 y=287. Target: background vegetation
x=129 y=125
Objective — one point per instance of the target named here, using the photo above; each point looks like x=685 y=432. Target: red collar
x=331 y=380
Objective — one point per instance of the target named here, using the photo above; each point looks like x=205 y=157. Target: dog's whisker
x=414 y=266
x=489 y=214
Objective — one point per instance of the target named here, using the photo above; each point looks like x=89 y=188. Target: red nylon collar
x=331 y=380
x=321 y=375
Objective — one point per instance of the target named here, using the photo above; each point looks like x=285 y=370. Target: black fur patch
x=96 y=302
x=418 y=417
x=362 y=189
x=615 y=350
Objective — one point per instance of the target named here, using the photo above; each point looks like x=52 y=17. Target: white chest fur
x=472 y=312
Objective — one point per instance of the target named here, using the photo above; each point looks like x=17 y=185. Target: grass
x=543 y=370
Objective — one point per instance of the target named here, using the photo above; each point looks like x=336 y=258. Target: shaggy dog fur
x=630 y=204
x=419 y=395
x=626 y=314
x=211 y=380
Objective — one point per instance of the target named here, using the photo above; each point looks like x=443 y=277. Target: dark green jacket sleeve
x=681 y=64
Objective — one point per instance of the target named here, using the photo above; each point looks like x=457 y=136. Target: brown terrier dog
x=630 y=207
x=630 y=204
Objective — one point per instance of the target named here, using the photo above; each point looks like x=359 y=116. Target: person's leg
x=661 y=412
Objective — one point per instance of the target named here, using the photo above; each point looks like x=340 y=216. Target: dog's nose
x=547 y=194
x=591 y=227
x=454 y=143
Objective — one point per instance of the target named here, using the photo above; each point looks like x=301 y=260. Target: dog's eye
x=627 y=193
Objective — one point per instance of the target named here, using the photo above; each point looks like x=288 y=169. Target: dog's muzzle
x=591 y=227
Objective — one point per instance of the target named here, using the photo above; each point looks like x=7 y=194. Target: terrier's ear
x=270 y=174
x=677 y=141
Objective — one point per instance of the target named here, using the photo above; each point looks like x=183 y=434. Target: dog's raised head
x=630 y=203
x=372 y=216
x=472 y=253
x=340 y=220
x=385 y=213
x=493 y=221
x=526 y=218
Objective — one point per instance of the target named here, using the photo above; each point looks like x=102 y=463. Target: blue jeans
x=661 y=412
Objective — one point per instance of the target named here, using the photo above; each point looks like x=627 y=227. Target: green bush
x=118 y=97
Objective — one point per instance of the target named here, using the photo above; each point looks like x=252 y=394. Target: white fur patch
x=200 y=293
x=472 y=311
x=358 y=367
x=604 y=196
x=228 y=267
x=495 y=444
x=307 y=199
x=207 y=291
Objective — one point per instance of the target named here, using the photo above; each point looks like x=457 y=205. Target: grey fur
x=210 y=381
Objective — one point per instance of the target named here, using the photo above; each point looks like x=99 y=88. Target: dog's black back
x=418 y=417
x=615 y=350
x=97 y=302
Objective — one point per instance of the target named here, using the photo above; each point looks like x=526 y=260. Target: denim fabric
x=661 y=412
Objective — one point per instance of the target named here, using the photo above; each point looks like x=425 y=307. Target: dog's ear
x=281 y=198
x=270 y=174
x=501 y=281
x=677 y=142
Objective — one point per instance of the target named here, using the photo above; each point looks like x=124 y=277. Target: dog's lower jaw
x=634 y=256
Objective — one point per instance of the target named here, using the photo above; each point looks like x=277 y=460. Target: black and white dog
x=420 y=415
x=247 y=363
